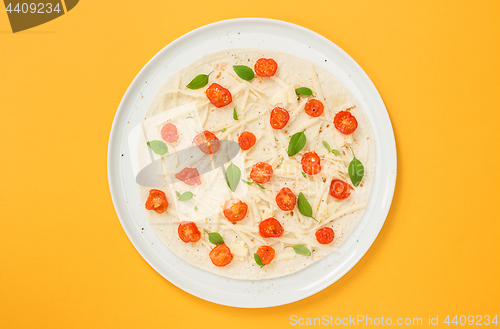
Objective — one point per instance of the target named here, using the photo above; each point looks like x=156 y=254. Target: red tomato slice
x=285 y=199
x=340 y=189
x=246 y=140
x=261 y=172
x=311 y=163
x=188 y=232
x=218 y=95
x=169 y=133
x=314 y=108
x=266 y=254
x=157 y=201
x=190 y=176
x=235 y=210
x=207 y=142
x=345 y=122
x=279 y=118
x=221 y=255
x=265 y=67
x=270 y=228
x=325 y=235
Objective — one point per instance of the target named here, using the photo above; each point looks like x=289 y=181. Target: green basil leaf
x=304 y=174
x=356 y=171
x=258 y=260
x=244 y=72
x=233 y=175
x=195 y=208
x=247 y=182
x=215 y=238
x=336 y=152
x=304 y=206
x=301 y=250
x=235 y=114
x=303 y=91
x=327 y=146
x=186 y=196
x=223 y=130
x=262 y=187
x=297 y=143
x=158 y=147
x=199 y=81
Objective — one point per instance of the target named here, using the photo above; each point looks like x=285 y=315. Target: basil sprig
x=297 y=143
x=215 y=238
x=303 y=91
x=301 y=250
x=199 y=81
x=258 y=260
x=356 y=171
x=158 y=147
x=233 y=175
x=186 y=196
x=244 y=72
x=327 y=146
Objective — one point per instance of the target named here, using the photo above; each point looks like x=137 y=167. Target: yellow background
x=65 y=259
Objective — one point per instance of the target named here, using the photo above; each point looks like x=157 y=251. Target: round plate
x=264 y=34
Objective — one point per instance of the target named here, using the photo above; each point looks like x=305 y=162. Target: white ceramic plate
x=264 y=34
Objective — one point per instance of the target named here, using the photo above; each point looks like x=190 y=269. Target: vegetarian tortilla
x=192 y=112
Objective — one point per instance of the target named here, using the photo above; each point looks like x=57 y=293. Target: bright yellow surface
x=66 y=261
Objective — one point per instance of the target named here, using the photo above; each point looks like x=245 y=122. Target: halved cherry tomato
x=169 y=133
x=157 y=201
x=235 y=210
x=285 y=199
x=261 y=172
x=270 y=228
x=311 y=163
x=188 y=232
x=190 y=176
x=207 y=142
x=314 y=108
x=266 y=67
x=345 y=122
x=246 y=140
x=266 y=254
x=340 y=189
x=221 y=255
x=218 y=95
x=325 y=235
x=279 y=118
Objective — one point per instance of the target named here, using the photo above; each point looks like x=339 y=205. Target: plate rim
x=113 y=177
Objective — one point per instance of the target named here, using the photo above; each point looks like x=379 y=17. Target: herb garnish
x=244 y=72
x=199 y=81
x=158 y=147
x=297 y=143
